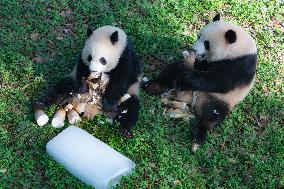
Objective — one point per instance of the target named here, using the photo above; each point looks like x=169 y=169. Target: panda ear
x=216 y=17
x=114 y=37
x=231 y=36
x=90 y=31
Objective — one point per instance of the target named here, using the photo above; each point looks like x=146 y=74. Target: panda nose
x=103 y=61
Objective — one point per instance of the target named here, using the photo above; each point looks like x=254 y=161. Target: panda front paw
x=184 y=81
x=122 y=119
x=127 y=133
x=65 y=85
x=108 y=104
x=199 y=135
x=82 y=86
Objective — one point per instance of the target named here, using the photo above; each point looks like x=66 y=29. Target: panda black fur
x=222 y=74
x=106 y=50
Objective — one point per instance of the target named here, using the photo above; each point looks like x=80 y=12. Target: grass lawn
x=39 y=43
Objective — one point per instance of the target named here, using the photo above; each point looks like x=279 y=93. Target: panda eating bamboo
x=217 y=73
x=106 y=79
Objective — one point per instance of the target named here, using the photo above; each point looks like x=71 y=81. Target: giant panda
x=106 y=50
x=219 y=77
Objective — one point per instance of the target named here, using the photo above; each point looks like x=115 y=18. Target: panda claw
x=127 y=133
x=145 y=80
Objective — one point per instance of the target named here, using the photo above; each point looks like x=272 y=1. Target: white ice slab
x=88 y=158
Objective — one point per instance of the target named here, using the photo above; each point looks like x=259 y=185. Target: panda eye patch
x=103 y=61
x=207 y=46
x=90 y=58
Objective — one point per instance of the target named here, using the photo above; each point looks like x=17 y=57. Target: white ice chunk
x=88 y=158
x=145 y=79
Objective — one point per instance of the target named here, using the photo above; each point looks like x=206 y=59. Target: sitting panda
x=217 y=74
x=108 y=51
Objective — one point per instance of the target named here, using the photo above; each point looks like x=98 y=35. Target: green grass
x=40 y=41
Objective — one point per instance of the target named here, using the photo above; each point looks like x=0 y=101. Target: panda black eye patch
x=90 y=58
x=103 y=61
x=207 y=46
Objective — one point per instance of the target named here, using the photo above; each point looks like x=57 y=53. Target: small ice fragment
x=109 y=120
x=145 y=79
x=194 y=147
x=101 y=122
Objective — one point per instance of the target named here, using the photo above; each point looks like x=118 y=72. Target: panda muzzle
x=197 y=56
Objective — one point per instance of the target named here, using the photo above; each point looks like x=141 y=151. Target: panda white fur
x=221 y=75
x=107 y=50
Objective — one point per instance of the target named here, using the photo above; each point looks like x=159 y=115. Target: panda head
x=103 y=48
x=221 y=40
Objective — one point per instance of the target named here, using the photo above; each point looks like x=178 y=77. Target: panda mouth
x=94 y=71
x=197 y=56
x=200 y=56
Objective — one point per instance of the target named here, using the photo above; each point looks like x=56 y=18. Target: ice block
x=88 y=158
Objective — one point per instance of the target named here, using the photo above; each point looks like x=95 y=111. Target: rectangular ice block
x=88 y=158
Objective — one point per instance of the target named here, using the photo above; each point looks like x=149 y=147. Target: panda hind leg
x=127 y=114
x=210 y=114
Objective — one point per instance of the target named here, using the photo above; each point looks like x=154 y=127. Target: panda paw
x=122 y=119
x=82 y=86
x=127 y=133
x=108 y=105
x=199 y=135
x=185 y=80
